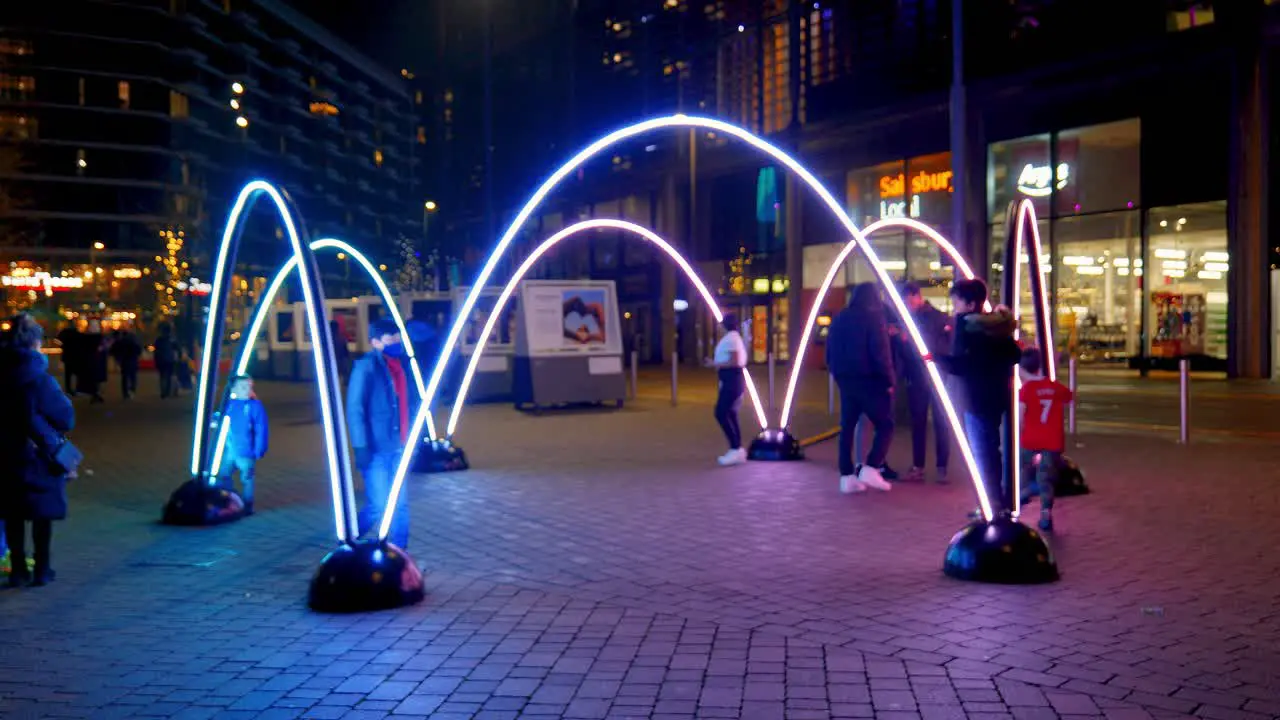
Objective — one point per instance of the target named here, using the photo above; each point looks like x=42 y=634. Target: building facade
x=126 y=129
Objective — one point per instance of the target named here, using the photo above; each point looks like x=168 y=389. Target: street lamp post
x=429 y=207
x=93 y=262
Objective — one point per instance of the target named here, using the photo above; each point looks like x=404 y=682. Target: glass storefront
x=1117 y=298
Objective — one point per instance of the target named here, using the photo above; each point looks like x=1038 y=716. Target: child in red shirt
x=1043 y=437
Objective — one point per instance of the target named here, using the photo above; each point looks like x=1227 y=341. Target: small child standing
x=246 y=438
x=1043 y=437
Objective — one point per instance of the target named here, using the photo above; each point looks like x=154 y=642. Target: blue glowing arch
x=335 y=433
x=546 y=245
x=673 y=121
x=245 y=355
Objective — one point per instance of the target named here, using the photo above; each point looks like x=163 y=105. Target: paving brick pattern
x=597 y=565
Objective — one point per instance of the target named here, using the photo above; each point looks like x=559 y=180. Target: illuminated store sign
x=1034 y=180
x=892 y=186
x=126 y=273
x=900 y=209
x=41 y=281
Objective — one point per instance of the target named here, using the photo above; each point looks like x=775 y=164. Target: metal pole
x=675 y=369
x=1075 y=388
x=831 y=394
x=635 y=378
x=771 y=395
x=1184 y=400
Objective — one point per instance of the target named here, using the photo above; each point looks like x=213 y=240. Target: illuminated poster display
x=1179 y=324
x=504 y=333
x=570 y=318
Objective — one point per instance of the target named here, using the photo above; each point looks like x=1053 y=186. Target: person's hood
x=997 y=323
x=19 y=367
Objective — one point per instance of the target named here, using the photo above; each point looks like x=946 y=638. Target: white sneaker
x=733 y=457
x=871 y=478
x=849 y=485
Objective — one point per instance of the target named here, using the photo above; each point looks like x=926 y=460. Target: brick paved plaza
x=599 y=565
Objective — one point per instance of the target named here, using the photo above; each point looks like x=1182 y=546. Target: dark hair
x=21 y=332
x=910 y=288
x=382 y=326
x=1030 y=360
x=241 y=378
x=730 y=322
x=971 y=291
x=865 y=296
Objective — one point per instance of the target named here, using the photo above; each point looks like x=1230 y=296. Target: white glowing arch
x=546 y=245
x=264 y=307
x=673 y=121
x=1023 y=215
x=335 y=433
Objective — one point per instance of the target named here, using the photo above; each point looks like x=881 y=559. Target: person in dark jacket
x=126 y=351
x=92 y=363
x=165 y=354
x=983 y=356
x=860 y=359
x=246 y=438
x=341 y=353
x=935 y=327
x=381 y=404
x=69 y=341
x=34 y=417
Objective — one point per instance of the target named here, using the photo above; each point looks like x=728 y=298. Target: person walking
x=165 y=355
x=935 y=328
x=983 y=355
x=729 y=359
x=69 y=338
x=126 y=351
x=35 y=416
x=380 y=409
x=860 y=359
x=341 y=353
x=92 y=363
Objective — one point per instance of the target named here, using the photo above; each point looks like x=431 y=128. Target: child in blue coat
x=246 y=438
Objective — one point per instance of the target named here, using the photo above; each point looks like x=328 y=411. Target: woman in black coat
x=34 y=416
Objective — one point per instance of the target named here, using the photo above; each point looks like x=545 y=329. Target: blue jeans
x=246 y=465
x=983 y=432
x=377 y=488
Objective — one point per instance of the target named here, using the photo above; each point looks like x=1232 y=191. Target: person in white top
x=729 y=359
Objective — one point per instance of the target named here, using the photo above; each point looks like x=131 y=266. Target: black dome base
x=437 y=456
x=365 y=576
x=1069 y=479
x=196 y=502
x=1000 y=551
x=775 y=445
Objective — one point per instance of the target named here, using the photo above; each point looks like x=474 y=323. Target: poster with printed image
x=565 y=318
x=503 y=337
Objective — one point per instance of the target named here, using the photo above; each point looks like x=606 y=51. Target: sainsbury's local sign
x=1039 y=181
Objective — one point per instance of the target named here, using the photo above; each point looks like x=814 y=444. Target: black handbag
x=64 y=459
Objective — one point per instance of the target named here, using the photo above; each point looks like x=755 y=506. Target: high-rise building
x=127 y=128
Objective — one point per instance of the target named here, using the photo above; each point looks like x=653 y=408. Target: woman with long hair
x=35 y=415
x=729 y=359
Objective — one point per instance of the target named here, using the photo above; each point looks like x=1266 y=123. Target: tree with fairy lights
x=410 y=274
x=171 y=279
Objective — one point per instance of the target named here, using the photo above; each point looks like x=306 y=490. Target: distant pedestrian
x=69 y=338
x=860 y=359
x=1043 y=438
x=380 y=410
x=341 y=353
x=983 y=355
x=165 y=355
x=246 y=438
x=35 y=416
x=935 y=328
x=183 y=369
x=729 y=359
x=126 y=351
x=92 y=363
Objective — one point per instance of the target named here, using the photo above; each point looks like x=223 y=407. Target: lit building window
x=377 y=158
x=179 y=106
x=324 y=108
x=312 y=82
x=14 y=47
x=417 y=98
x=1194 y=15
x=422 y=135
x=81 y=162
x=17 y=127
x=122 y=92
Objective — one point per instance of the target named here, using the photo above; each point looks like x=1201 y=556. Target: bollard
x=1184 y=401
x=831 y=394
x=635 y=377
x=1071 y=382
x=771 y=395
x=675 y=368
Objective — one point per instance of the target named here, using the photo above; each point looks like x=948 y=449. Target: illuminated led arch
x=509 y=289
x=590 y=151
x=335 y=433
x=263 y=308
x=943 y=244
x=1020 y=217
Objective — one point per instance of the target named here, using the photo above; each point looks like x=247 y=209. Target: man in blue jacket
x=246 y=438
x=380 y=412
x=860 y=359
